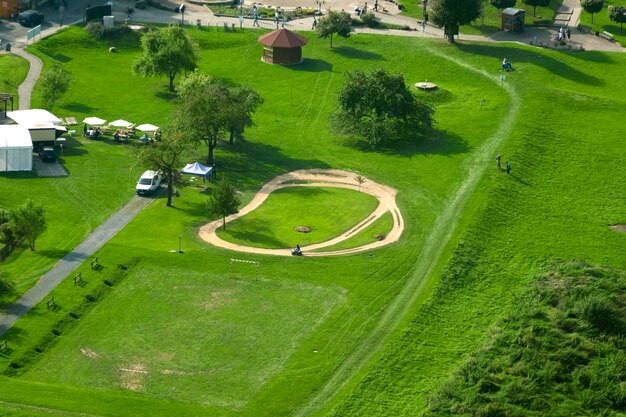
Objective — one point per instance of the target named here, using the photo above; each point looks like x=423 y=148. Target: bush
x=98 y=31
x=370 y=20
x=599 y=312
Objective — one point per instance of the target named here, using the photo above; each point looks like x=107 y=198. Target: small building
x=513 y=19
x=16 y=148
x=8 y=7
x=282 y=46
x=42 y=125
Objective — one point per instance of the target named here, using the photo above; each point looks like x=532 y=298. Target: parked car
x=148 y=183
x=30 y=18
x=47 y=154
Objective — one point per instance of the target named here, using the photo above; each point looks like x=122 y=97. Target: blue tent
x=196 y=169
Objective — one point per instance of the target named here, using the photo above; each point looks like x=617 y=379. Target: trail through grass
x=437 y=239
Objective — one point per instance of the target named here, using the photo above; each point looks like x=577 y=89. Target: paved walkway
x=25 y=89
x=72 y=260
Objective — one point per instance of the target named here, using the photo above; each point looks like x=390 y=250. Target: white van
x=148 y=183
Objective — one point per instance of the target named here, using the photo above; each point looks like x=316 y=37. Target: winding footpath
x=386 y=197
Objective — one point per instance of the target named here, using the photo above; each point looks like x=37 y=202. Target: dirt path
x=386 y=197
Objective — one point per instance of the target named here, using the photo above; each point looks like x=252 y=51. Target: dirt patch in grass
x=618 y=227
x=132 y=377
x=218 y=299
x=89 y=353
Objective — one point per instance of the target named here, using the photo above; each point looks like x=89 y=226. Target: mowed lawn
x=341 y=298
x=221 y=353
x=327 y=211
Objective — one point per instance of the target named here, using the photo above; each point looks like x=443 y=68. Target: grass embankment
x=13 y=69
x=492 y=19
x=292 y=132
x=559 y=351
x=327 y=211
x=561 y=196
x=601 y=21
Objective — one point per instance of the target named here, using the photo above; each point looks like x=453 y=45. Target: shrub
x=98 y=31
x=370 y=20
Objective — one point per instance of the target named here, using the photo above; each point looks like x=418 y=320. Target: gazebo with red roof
x=283 y=47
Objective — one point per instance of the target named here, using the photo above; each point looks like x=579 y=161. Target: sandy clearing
x=385 y=195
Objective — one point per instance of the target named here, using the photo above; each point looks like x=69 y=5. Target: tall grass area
x=559 y=351
x=561 y=196
x=152 y=321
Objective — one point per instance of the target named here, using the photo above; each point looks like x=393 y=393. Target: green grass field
x=368 y=334
x=327 y=211
x=601 y=21
x=491 y=21
x=14 y=70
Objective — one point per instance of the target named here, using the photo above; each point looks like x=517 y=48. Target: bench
x=608 y=36
x=78 y=278
x=3 y=345
x=94 y=263
x=51 y=303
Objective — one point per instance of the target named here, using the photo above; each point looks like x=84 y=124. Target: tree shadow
x=517 y=55
x=312 y=65
x=167 y=95
x=432 y=142
x=352 y=53
x=77 y=107
x=53 y=253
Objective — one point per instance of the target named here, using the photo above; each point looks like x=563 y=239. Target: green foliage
x=378 y=107
x=618 y=14
x=166 y=156
x=224 y=200
x=29 y=221
x=453 y=13
x=54 y=82
x=536 y=3
x=592 y=6
x=334 y=22
x=166 y=52
x=503 y=4
x=369 y=19
x=97 y=30
x=242 y=102
x=552 y=348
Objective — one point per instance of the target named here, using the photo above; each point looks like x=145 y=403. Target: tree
x=592 y=6
x=535 y=3
x=203 y=110
x=334 y=22
x=166 y=52
x=224 y=201
x=166 y=156
x=243 y=102
x=378 y=106
x=618 y=15
x=502 y=4
x=54 y=83
x=453 y=13
x=29 y=221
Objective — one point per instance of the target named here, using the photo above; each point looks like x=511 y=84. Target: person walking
x=255 y=20
x=568 y=33
x=276 y=18
x=284 y=19
x=423 y=24
x=498 y=162
x=314 y=23
x=508 y=167
x=375 y=5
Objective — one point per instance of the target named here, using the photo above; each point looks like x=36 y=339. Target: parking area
x=48 y=169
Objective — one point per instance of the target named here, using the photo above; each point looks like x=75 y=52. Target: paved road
x=73 y=260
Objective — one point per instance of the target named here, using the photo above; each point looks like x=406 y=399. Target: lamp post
x=180 y=238
x=182 y=14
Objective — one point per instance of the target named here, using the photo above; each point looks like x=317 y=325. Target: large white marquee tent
x=16 y=148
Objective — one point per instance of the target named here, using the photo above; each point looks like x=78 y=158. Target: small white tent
x=16 y=148
x=196 y=169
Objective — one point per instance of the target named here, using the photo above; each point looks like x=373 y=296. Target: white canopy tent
x=16 y=148
x=196 y=169
x=33 y=117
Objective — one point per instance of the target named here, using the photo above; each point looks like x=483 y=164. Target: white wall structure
x=16 y=148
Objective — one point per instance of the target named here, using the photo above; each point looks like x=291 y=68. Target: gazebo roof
x=282 y=38
x=512 y=11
